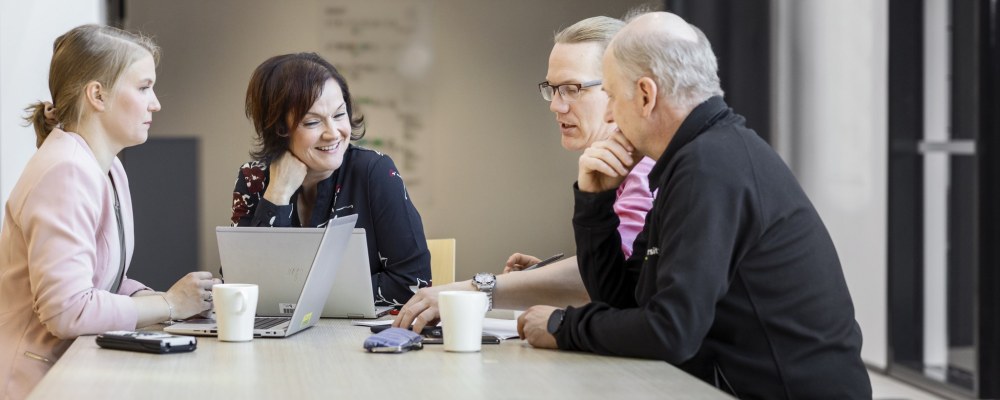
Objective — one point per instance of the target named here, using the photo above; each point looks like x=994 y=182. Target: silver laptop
x=283 y=272
x=244 y=248
x=351 y=295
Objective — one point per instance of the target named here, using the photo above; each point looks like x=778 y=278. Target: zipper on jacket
x=37 y=357
x=718 y=383
x=121 y=239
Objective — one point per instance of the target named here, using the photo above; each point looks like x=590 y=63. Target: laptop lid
x=257 y=245
x=322 y=274
x=351 y=295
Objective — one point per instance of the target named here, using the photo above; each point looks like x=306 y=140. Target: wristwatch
x=555 y=321
x=485 y=282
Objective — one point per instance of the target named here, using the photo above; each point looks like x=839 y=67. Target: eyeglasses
x=568 y=91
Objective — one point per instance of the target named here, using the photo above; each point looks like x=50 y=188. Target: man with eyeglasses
x=573 y=90
x=735 y=278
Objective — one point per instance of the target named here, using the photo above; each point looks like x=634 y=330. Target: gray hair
x=686 y=72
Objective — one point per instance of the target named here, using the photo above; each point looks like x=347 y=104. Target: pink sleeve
x=130 y=286
x=62 y=255
x=633 y=202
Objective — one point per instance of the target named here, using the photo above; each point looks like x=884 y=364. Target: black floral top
x=367 y=184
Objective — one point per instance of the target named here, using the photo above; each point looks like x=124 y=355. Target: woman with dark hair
x=305 y=172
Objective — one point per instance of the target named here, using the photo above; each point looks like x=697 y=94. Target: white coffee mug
x=462 y=315
x=235 y=308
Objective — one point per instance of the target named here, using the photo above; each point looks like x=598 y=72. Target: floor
x=888 y=388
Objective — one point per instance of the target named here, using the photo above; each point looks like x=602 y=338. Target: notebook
x=242 y=248
x=351 y=295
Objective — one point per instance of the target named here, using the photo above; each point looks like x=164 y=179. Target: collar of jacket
x=699 y=120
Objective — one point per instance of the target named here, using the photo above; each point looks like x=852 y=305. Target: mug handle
x=243 y=302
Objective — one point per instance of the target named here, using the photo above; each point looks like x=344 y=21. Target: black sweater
x=368 y=184
x=734 y=277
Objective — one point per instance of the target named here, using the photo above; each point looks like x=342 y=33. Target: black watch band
x=556 y=321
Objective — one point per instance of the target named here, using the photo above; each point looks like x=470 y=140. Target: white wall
x=832 y=58
x=497 y=178
x=27 y=30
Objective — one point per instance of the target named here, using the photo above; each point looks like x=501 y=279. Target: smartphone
x=148 y=342
x=487 y=339
x=428 y=331
x=434 y=334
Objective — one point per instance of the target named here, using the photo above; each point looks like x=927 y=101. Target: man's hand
x=519 y=261
x=533 y=324
x=422 y=309
x=286 y=175
x=606 y=163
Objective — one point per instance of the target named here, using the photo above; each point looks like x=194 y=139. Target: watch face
x=484 y=279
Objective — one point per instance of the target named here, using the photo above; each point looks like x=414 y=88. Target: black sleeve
x=702 y=212
x=605 y=272
x=399 y=234
x=249 y=206
x=269 y=214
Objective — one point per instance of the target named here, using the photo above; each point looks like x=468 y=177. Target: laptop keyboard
x=268 y=322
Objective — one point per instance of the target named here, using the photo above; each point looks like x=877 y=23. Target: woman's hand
x=191 y=294
x=286 y=176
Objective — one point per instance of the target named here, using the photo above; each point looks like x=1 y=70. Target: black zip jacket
x=368 y=184
x=734 y=277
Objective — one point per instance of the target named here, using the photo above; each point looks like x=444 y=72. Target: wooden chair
x=442 y=260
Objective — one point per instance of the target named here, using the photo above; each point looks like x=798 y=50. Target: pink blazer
x=59 y=253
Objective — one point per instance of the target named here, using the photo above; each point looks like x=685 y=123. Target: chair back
x=442 y=260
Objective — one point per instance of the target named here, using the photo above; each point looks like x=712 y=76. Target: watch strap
x=555 y=321
x=486 y=283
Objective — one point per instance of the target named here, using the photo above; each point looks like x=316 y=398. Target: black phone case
x=487 y=339
x=428 y=331
x=434 y=334
x=147 y=342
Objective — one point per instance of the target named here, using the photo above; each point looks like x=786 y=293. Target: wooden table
x=327 y=361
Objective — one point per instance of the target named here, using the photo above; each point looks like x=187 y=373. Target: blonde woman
x=67 y=234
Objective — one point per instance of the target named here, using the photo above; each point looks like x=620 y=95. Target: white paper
x=369 y=322
x=502 y=328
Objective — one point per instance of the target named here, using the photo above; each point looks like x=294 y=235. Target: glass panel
x=937 y=104
x=949 y=222
x=961 y=292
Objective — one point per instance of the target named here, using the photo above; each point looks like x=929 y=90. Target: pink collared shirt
x=633 y=202
x=60 y=255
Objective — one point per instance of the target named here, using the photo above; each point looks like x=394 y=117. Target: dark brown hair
x=85 y=54
x=281 y=92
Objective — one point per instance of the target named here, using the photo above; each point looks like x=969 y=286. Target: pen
x=544 y=262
